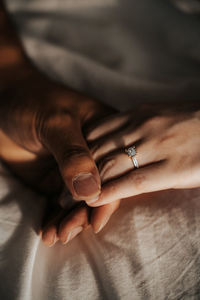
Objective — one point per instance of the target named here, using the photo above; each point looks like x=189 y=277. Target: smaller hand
x=167 y=151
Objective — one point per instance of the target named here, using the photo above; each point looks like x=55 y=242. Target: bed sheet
x=118 y=51
x=149 y=250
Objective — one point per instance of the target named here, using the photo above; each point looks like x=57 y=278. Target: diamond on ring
x=131 y=151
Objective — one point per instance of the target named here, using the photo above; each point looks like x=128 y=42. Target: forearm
x=14 y=65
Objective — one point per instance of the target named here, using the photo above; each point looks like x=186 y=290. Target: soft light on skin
x=10 y=151
x=9 y=56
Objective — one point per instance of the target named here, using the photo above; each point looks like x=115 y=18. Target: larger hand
x=41 y=136
x=41 y=124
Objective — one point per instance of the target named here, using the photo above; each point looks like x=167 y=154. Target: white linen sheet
x=150 y=248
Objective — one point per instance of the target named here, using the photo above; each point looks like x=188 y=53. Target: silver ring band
x=131 y=151
x=135 y=162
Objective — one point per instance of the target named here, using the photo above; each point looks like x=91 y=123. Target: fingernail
x=101 y=226
x=73 y=233
x=92 y=200
x=54 y=241
x=85 y=185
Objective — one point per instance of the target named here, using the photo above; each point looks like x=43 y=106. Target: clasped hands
x=167 y=141
x=42 y=142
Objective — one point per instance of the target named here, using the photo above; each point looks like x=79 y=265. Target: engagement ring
x=131 y=151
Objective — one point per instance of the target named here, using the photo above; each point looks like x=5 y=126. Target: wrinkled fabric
x=149 y=250
x=120 y=52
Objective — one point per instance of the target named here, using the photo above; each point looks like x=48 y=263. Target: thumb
x=63 y=137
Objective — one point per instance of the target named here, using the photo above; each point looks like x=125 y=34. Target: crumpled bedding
x=150 y=248
x=119 y=51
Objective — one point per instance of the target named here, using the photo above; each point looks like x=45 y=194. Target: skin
x=41 y=129
x=167 y=145
x=167 y=151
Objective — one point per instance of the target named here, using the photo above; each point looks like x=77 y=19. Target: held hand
x=167 y=152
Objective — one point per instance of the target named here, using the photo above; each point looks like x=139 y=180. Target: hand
x=41 y=125
x=64 y=222
x=167 y=151
x=41 y=136
x=41 y=140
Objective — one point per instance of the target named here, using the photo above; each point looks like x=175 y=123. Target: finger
x=114 y=165
x=115 y=141
x=49 y=232
x=134 y=132
x=74 y=223
x=49 y=236
x=101 y=215
x=148 y=179
x=106 y=126
x=62 y=135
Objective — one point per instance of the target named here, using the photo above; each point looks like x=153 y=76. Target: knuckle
x=165 y=139
x=154 y=122
x=74 y=151
x=139 y=181
x=82 y=216
x=58 y=117
x=72 y=159
x=47 y=122
x=112 y=188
